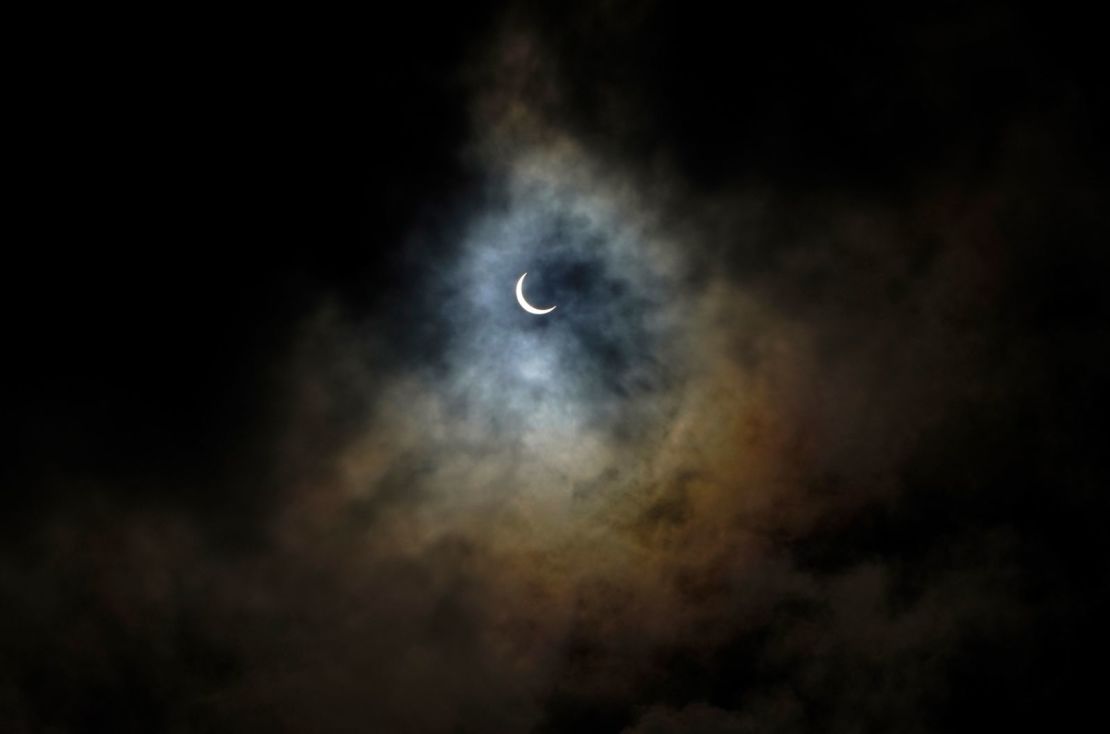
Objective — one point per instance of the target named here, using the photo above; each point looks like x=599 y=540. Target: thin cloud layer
x=777 y=463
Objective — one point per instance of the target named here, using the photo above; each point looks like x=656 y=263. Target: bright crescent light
x=524 y=304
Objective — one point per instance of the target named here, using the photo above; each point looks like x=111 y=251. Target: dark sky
x=812 y=443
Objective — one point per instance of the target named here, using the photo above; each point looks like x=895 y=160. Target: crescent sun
x=524 y=304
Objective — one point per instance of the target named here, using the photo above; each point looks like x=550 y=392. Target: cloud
x=760 y=471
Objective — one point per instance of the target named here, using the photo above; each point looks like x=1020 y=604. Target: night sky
x=814 y=441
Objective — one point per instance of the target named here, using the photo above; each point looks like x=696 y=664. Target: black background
x=187 y=188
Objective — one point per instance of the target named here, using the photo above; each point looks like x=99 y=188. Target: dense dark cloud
x=809 y=444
